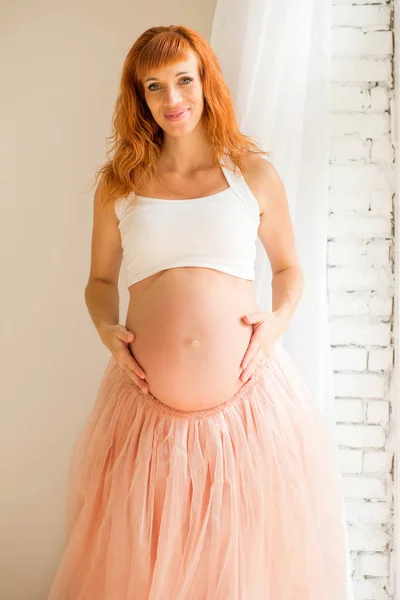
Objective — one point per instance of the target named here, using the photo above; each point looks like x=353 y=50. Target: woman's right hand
x=117 y=338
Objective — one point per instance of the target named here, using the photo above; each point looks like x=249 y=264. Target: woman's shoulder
x=111 y=199
x=259 y=174
x=257 y=166
x=266 y=184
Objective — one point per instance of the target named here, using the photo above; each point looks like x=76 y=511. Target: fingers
x=134 y=366
x=129 y=361
x=251 y=368
x=134 y=371
x=136 y=379
x=125 y=335
x=131 y=367
x=250 y=353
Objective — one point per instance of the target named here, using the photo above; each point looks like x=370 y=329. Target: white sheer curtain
x=275 y=57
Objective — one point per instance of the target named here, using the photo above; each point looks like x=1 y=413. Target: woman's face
x=172 y=90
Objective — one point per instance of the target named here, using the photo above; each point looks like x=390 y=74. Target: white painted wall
x=60 y=68
x=361 y=281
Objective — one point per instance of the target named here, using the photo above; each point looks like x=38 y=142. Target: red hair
x=137 y=138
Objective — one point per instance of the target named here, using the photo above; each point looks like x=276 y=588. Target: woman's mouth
x=177 y=116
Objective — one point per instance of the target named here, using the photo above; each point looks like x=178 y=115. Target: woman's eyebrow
x=176 y=75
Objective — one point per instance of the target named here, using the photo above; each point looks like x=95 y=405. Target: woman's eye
x=184 y=79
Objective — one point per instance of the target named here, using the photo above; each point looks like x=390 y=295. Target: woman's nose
x=172 y=96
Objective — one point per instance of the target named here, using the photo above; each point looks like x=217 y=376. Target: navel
x=192 y=342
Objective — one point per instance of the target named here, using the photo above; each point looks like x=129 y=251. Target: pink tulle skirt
x=242 y=501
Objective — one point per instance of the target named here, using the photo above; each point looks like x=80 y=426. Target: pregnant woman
x=205 y=470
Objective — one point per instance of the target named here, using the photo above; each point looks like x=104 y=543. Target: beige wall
x=60 y=66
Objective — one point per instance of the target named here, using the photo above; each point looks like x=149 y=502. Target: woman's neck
x=187 y=154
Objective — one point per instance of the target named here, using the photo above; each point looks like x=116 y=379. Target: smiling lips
x=177 y=115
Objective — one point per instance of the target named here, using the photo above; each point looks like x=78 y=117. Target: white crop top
x=217 y=231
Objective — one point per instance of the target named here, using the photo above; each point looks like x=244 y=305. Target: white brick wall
x=361 y=281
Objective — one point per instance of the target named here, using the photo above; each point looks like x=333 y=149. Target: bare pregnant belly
x=190 y=337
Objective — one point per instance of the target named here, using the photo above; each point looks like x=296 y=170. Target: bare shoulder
x=100 y=197
x=263 y=179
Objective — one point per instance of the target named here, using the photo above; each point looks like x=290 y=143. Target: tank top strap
x=240 y=187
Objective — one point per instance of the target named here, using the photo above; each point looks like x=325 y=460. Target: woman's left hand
x=267 y=329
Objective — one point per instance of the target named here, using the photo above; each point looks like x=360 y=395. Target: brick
x=374 y=565
x=360 y=436
x=380 y=359
x=362 y=69
x=349 y=359
x=358 y=253
x=385 y=280
x=345 y=251
x=349 y=41
x=347 y=149
x=373 y=538
x=363 y=176
x=377 y=43
x=348 y=97
x=382 y=307
x=378 y=98
x=349 y=199
x=377 y=462
x=352 y=278
x=349 y=411
x=366 y=511
x=377 y=253
x=364 y=125
x=368 y=226
x=371 y=589
x=381 y=201
x=359 y=331
x=378 y=411
x=361 y=16
x=382 y=150
x=348 y=303
x=364 y=487
x=358 y=385
x=358 y=278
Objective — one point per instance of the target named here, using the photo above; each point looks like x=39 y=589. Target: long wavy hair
x=137 y=139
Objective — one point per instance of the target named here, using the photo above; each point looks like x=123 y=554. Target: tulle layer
x=242 y=501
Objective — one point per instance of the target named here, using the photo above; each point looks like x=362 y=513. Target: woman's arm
x=277 y=236
x=102 y=301
x=287 y=287
x=101 y=291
